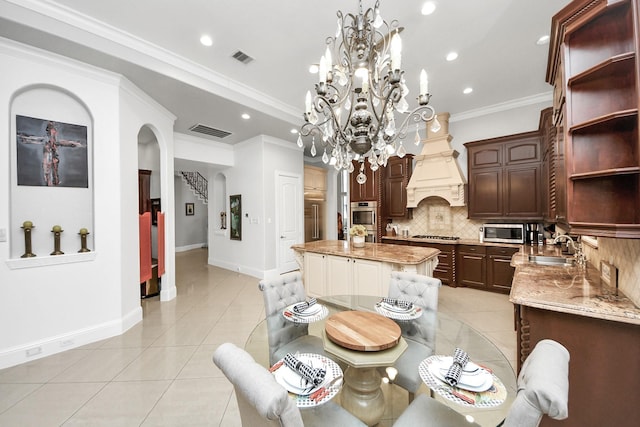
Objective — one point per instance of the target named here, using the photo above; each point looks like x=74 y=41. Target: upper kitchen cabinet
x=315 y=178
x=396 y=177
x=554 y=200
x=369 y=191
x=505 y=177
x=594 y=51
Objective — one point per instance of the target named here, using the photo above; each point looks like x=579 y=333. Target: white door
x=289 y=214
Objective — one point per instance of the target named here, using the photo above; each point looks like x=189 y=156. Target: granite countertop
x=450 y=242
x=372 y=251
x=575 y=290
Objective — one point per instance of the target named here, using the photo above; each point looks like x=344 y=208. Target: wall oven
x=365 y=213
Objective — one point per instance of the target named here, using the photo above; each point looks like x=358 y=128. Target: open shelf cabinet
x=597 y=55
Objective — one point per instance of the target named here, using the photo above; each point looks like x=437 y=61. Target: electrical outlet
x=66 y=343
x=609 y=274
x=33 y=351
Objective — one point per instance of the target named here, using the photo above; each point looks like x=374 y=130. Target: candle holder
x=27 y=226
x=83 y=240
x=56 y=230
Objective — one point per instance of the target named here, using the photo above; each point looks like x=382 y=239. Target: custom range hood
x=436 y=172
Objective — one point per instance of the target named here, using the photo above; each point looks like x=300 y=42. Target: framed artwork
x=189 y=209
x=155 y=208
x=51 y=154
x=235 y=204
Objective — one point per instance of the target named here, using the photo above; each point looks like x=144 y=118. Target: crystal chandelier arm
x=423 y=113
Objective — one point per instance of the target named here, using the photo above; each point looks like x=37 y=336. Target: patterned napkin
x=460 y=359
x=300 y=308
x=314 y=376
x=407 y=305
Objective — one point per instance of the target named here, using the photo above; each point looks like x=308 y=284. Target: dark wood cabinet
x=144 y=191
x=471 y=268
x=478 y=266
x=604 y=362
x=594 y=51
x=499 y=269
x=396 y=177
x=369 y=191
x=445 y=270
x=505 y=177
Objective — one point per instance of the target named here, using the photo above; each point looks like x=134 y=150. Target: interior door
x=290 y=215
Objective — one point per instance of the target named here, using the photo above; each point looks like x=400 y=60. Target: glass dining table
x=449 y=333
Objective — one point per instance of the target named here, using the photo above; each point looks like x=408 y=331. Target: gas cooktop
x=428 y=236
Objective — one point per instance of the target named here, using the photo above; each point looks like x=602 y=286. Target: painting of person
x=62 y=159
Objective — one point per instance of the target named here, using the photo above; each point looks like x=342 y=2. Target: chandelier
x=361 y=95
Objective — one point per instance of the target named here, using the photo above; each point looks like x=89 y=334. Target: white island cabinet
x=333 y=267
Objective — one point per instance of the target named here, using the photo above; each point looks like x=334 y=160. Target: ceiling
x=155 y=44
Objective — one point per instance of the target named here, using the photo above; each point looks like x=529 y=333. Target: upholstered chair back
x=543 y=386
x=261 y=400
x=417 y=288
x=279 y=293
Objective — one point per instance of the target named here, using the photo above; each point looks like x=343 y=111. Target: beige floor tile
x=192 y=402
x=100 y=365
x=120 y=404
x=157 y=363
x=50 y=405
x=10 y=394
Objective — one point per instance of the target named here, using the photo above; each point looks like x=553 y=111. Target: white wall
x=253 y=177
x=191 y=231
x=51 y=304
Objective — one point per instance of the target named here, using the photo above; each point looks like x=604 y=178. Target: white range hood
x=436 y=172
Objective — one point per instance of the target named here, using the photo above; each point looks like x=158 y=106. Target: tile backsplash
x=623 y=254
x=434 y=216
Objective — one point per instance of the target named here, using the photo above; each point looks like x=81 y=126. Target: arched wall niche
x=220 y=205
x=51 y=149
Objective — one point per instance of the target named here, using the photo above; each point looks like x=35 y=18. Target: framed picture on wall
x=235 y=204
x=50 y=153
x=189 y=209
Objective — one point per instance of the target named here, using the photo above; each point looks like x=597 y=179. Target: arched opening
x=149 y=200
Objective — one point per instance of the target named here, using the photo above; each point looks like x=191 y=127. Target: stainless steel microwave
x=503 y=233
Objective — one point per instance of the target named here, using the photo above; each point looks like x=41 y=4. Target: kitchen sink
x=551 y=260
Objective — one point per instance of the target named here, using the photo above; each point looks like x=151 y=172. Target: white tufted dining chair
x=264 y=402
x=543 y=389
x=285 y=336
x=420 y=334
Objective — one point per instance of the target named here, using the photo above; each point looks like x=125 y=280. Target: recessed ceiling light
x=313 y=68
x=467 y=90
x=294 y=131
x=206 y=40
x=428 y=8
x=452 y=56
x=245 y=116
x=543 y=40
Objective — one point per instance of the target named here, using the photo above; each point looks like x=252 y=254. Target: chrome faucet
x=573 y=248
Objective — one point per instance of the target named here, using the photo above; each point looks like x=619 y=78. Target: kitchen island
x=335 y=267
x=597 y=324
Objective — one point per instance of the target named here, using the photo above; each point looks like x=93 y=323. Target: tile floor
x=160 y=373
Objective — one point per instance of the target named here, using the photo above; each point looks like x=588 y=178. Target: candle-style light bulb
x=307 y=103
x=322 y=70
x=396 y=50
x=424 y=83
x=328 y=59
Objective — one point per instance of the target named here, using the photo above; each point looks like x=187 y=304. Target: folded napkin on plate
x=407 y=305
x=460 y=359
x=314 y=376
x=300 y=308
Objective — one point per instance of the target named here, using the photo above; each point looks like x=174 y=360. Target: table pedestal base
x=362 y=395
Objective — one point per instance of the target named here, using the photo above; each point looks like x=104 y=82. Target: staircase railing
x=198 y=184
